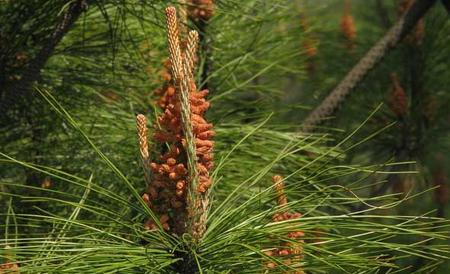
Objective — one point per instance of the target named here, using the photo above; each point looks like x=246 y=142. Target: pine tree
x=220 y=177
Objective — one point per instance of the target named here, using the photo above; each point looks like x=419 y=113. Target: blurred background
x=102 y=60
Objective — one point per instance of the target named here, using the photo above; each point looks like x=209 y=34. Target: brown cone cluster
x=201 y=9
x=170 y=182
x=348 y=28
x=308 y=46
x=292 y=250
x=398 y=101
x=203 y=133
x=16 y=64
x=46 y=183
x=9 y=266
x=165 y=194
x=21 y=59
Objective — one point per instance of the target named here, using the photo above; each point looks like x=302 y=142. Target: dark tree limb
x=17 y=103
x=20 y=89
x=446 y=4
x=395 y=34
x=68 y=20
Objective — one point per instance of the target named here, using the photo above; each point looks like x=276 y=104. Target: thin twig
x=141 y=124
x=367 y=63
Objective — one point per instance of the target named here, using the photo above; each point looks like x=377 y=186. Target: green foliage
x=81 y=140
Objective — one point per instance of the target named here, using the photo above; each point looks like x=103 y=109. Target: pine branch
x=198 y=202
x=20 y=91
x=32 y=73
x=182 y=71
x=367 y=63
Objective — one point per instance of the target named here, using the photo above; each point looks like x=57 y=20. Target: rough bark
x=19 y=90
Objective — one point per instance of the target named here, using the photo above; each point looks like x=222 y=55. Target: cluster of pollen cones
x=398 y=101
x=348 y=27
x=293 y=250
x=201 y=9
x=308 y=45
x=9 y=266
x=170 y=176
